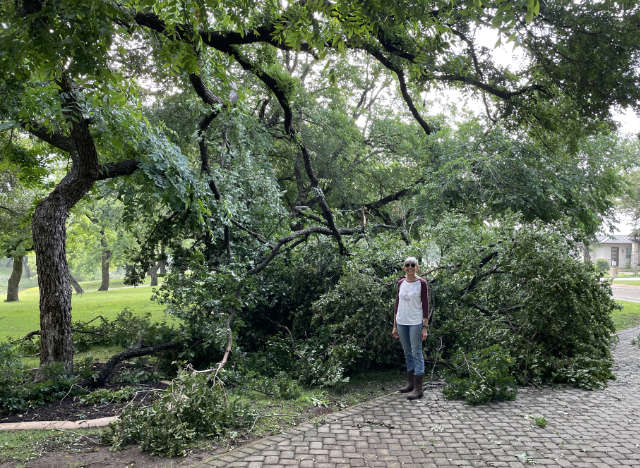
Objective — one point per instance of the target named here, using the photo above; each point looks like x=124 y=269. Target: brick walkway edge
x=585 y=429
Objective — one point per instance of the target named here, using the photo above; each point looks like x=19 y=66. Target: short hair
x=411 y=259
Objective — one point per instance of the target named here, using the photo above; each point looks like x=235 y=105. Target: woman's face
x=410 y=266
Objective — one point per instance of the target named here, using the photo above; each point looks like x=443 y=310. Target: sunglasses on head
x=410 y=264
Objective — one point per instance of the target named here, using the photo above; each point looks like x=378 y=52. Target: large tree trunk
x=153 y=272
x=49 y=235
x=25 y=266
x=14 y=279
x=106 y=258
x=76 y=285
x=49 y=225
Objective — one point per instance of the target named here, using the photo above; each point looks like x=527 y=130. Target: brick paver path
x=585 y=429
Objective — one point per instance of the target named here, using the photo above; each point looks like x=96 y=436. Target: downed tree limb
x=111 y=364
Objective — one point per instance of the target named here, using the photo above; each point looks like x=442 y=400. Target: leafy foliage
x=106 y=395
x=514 y=285
x=126 y=329
x=482 y=376
x=193 y=407
x=602 y=265
x=19 y=391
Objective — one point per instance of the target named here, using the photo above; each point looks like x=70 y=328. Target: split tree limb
x=111 y=364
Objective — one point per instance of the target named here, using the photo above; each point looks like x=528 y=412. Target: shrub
x=193 y=407
x=19 y=391
x=280 y=386
x=125 y=330
x=602 y=265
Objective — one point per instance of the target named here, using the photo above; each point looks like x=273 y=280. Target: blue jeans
x=411 y=339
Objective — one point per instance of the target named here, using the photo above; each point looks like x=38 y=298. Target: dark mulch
x=70 y=409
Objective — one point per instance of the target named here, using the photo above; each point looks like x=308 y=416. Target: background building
x=621 y=251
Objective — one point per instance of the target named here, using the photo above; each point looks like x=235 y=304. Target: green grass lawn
x=628 y=282
x=628 y=317
x=19 y=318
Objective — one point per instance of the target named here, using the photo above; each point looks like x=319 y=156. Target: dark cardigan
x=424 y=297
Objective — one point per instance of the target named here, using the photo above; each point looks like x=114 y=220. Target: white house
x=620 y=250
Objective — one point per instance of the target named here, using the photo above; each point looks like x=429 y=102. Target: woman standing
x=410 y=320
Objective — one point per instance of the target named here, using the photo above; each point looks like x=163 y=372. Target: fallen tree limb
x=111 y=364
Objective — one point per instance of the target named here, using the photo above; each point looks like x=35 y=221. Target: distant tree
x=16 y=203
x=97 y=235
x=630 y=200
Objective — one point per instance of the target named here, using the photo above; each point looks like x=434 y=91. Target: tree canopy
x=237 y=131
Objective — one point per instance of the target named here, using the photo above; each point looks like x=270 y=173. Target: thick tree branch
x=501 y=93
x=209 y=98
x=111 y=364
x=56 y=139
x=217 y=39
x=276 y=89
x=122 y=168
x=393 y=197
x=205 y=94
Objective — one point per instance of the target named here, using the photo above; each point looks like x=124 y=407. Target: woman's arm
x=394 y=331
x=424 y=297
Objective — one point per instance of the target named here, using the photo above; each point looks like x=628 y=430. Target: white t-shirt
x=410 y=303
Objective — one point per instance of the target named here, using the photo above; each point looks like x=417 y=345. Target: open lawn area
x=628 y=317
x=627 y=282
x=19 y=318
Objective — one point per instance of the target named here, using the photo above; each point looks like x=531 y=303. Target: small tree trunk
x=153 y=272
x=75 y=285
x=106 y=258
x=162 y=267
x=14 y=279
x=25 y=266
x=585 y=252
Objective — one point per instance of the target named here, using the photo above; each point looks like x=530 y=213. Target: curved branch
x=280 y=94
x=403 y=86
x=111 y=364
x=275 y=248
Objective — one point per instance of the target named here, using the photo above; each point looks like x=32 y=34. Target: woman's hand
x=424 y=334
x=394 y=333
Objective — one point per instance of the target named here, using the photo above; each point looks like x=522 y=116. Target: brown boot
x=417 y=388
x=409 y=386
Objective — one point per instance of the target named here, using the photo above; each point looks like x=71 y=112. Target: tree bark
x=106 y=259
x=75 y=285
x=162 y=263
x=49 y=224
x=14 y=279
x=586 y=256
x=105 y=374
x=25 y=266
x=153 y=272
x=49 y=235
